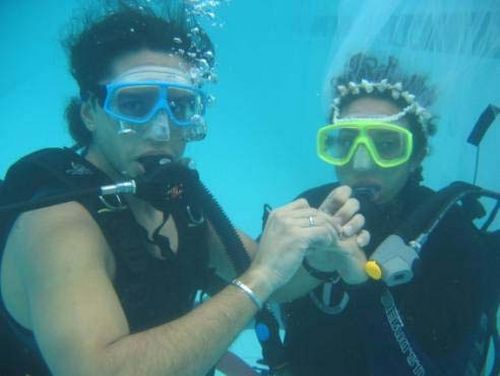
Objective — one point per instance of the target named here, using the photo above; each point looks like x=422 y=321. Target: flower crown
x=395 y=91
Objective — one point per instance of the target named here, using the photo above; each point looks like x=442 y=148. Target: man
x=105 y=286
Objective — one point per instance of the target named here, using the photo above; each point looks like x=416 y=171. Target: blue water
x=273 y=57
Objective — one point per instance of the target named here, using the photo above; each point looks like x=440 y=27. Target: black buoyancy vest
x=152 y=291
x=320 y=343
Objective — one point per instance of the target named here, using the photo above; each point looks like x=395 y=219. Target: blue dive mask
x=138 y=102
x=152 y=99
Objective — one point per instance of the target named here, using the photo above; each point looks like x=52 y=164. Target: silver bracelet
x=248 y=291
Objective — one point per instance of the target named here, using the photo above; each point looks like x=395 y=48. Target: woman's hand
x=344 y=253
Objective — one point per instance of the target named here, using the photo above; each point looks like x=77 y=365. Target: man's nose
x=160 y=127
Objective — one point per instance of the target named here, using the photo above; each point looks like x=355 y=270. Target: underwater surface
x=274 y=61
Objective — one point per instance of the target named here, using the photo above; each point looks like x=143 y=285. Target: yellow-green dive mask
x=388 y=144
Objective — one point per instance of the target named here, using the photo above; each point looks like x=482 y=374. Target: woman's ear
x=88 y=114
x=417 y=159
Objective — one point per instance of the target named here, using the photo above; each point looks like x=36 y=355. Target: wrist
x=259 y=282
x=248 y=292
x=321 y=275
x=354 y=279
x=351 y=268
x=352 y=272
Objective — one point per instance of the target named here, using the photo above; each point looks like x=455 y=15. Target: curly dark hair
x=94 y=40
x=371 y=68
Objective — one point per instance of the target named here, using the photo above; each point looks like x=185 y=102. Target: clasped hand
x=330 y=237
x=344 y=254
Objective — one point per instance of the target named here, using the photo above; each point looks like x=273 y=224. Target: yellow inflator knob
x=373 y=270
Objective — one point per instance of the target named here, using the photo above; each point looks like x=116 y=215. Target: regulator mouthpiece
x=165 y=182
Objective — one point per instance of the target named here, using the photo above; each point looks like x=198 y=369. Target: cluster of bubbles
x=201 y=71
x=206 y=9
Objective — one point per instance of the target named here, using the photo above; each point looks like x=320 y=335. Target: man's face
x=361 y=171
x=117 y=151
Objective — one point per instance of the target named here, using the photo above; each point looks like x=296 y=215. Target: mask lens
x=338 y=142
x=135 y=102
x=185 y=104
x=389 y=144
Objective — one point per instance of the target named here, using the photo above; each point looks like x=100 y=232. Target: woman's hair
x=364 y=67
x=95 y=41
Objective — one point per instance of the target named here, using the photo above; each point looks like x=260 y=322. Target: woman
x=376 y=139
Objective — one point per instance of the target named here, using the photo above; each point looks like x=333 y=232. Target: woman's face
x=118 y=153
x=362 y=173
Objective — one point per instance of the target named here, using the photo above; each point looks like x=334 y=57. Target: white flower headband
x=396 y=92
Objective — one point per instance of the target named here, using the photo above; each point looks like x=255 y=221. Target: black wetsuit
x=439 y=308
x=152 y=291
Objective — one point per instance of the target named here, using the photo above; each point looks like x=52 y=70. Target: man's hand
x=290 y=231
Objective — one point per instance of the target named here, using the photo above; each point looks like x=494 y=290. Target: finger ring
x=311 y=221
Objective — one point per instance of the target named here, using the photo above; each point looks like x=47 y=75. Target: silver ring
x=311 y=221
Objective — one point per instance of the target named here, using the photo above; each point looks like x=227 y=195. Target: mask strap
x=390 y=118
